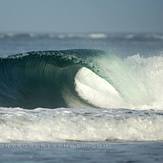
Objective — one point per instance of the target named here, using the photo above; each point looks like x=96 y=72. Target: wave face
x=41 y=79
x=81 y=78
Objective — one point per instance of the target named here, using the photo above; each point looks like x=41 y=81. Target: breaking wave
x=81 y=78
x=65 y=90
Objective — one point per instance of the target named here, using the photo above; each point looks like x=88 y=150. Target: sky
x=81 y=16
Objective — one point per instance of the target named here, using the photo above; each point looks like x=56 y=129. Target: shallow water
x=125 y=152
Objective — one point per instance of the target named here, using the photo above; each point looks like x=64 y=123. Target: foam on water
x=137 y=79
x=63 y=124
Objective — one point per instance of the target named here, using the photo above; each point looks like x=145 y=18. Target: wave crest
x=81 y=78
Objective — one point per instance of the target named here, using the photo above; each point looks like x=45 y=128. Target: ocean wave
x=91 y=36
x=98 y=35
x=67 y=124
x=80 y=95
x=81 y=78
x=144 y=37
x=42 y=79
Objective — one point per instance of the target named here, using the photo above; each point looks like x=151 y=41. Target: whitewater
x=67 y=124
x=81 y=95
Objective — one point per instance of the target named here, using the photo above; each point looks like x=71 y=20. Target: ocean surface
x=94 y=97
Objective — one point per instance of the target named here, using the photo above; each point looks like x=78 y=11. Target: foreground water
x=123 y=152
x=65 y=124
x=97 y=105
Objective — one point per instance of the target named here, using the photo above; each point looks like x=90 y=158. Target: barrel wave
x=86 y=95
x=81 y=79
x=48 y=79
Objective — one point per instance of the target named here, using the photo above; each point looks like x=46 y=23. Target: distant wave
x=98 y=35
x=94 y=36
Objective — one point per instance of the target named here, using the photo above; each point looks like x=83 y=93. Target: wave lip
x=95 y=90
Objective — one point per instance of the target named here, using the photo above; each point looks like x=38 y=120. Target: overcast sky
x=81 y=15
